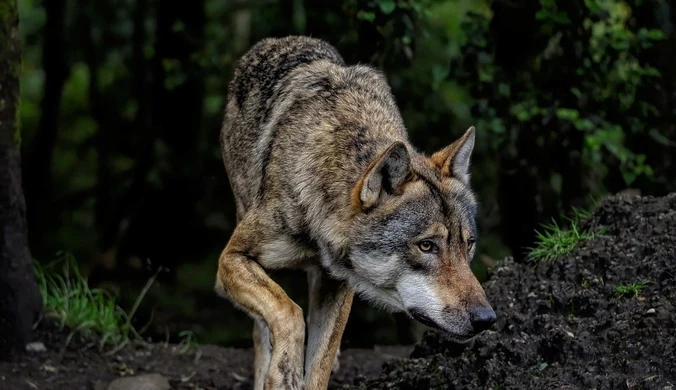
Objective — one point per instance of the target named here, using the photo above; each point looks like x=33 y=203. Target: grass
x=554 y=242
x=630 y=289
x=93 y=313
x=187 y=341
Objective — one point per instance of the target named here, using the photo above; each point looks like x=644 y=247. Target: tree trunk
x=20 y=301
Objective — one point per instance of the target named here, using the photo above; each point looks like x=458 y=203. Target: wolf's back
x=252 y=95
x=268 y=62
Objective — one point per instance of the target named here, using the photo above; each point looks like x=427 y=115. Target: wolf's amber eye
x=470 y=243
x=426 y=246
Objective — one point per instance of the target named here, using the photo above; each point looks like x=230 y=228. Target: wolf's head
x=414 y=238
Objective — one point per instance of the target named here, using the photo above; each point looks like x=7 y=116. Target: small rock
x=37 y=346
x=140 y=382
x=531 y=295
x=650 y=311
x=48 y=368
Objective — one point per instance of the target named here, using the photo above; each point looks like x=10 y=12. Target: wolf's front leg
x=329 y=306
x=262 y=353
x=245 y=283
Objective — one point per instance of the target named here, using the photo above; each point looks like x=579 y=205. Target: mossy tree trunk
x=20 y=301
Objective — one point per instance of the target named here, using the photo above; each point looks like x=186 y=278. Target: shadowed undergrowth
x=92 y=313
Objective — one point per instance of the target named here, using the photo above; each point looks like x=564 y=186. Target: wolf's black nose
x=482 y=317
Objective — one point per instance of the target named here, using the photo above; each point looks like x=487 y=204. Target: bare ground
x=206 y=367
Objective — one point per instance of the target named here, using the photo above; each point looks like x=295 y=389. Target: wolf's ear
x=453 y=160
x=386 y=175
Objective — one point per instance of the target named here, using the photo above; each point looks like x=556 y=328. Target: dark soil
x=206 y=367
x=562 y=324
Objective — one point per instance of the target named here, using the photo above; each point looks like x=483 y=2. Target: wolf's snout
x=482 y=317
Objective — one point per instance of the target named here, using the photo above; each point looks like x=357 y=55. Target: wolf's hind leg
x=329 y=306
x=247 y=285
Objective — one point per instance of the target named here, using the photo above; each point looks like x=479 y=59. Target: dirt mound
x=564 y=324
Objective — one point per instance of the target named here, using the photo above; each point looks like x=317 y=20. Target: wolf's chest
x=283 y=252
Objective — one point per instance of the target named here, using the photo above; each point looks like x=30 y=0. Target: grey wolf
x=326 y=180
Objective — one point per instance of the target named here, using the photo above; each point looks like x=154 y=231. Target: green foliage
x=187 y=341
x=570 y=99
x=554 y=242
x=577 y=87
x=393 y=24
x=7 y=10
x=630 y=289
x=92 y=313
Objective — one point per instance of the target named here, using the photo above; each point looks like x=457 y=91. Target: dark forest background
x=121 y=107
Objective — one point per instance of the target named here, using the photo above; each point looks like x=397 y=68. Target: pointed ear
x=453 y=160
x=386 y=175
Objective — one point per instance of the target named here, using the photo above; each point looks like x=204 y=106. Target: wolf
x=326 y=180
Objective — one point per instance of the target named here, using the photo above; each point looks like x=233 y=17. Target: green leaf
x=567 y=114
x=553 y=16
x=593 y=6
x=660 y=138
x=583 y=124
x=439 y=73
x=561 y=18
x=366 y=15
x=504 y=89
x=651 y=72
x=655 y=34
x=387 y=6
